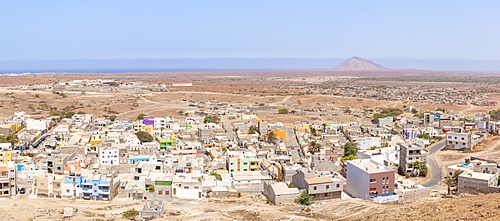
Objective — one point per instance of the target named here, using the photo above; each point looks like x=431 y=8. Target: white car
x=31 y=180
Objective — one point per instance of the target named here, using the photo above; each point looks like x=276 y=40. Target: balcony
x=420 y=153
x=88 y=191
x=103 y=191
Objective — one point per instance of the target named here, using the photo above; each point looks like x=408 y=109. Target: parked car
x=22 y=190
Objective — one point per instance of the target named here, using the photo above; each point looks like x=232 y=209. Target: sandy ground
x=254 y=207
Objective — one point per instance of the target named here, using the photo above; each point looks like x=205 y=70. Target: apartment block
x=8 y=179
x=57 y=161
x=367 y=178
x=109 y=156
x=464 y=141
x=99 y=187
x=238 y=161
x=409 y=154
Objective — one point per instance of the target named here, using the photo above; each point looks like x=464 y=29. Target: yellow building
x=303 y=128
x=279 y=133
x=95 y=139
x=5 y=156
x=146 y=128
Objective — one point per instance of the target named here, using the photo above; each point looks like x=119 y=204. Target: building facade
x=8 y=179
x=366 y=178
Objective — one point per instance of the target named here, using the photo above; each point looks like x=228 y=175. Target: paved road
x=432 y=164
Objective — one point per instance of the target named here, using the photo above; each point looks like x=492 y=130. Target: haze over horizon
x=432 y=35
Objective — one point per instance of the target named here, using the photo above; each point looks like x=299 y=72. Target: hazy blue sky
x=122 y=29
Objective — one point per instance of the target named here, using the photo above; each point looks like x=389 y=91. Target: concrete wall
x=412 y=195
x=358 y=182
x=471 y=185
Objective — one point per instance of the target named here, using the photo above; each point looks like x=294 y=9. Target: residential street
x=434 y=167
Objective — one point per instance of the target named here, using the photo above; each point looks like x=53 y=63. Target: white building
x=182 y=84
x=109 y=156
x=185 y=186
x=492 y=127
x=249 y=116
x=467 y=141
x=162 y=122
x=368 y=142
x=379 y=155
x=32 y=124
x=385 y=121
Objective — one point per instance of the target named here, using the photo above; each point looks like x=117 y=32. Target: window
x=327 y=186
x=245 y=163
x=67 y=190
x=326 y=194
x=411 y=158
x=338 y=185
x=160 y=192
x=167 y=192
x=315 y=188
x=463 y=138
x=158 y=168
x=373 y=180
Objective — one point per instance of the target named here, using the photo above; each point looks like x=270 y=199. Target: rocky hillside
x=483 y=207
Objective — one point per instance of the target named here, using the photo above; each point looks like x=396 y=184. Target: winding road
x=433 y=165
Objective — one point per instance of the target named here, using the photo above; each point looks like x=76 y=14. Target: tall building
x=409 y=154
x=367 y=178
x=8 y=179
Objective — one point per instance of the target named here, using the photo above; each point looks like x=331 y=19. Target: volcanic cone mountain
x=356 y=63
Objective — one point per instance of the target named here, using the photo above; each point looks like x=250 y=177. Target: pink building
x=367 y=179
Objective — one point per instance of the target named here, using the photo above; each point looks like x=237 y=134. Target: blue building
x=99 y=187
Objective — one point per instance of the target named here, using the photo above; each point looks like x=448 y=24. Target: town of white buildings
x=224 y=154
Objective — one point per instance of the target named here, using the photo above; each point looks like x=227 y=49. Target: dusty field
x=484 y=207
x=128 y=106
x=254 y=207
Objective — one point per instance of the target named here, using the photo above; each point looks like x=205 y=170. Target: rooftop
x=475 y=175
x=317 y=180
x=369 y=166
x=282 y=188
